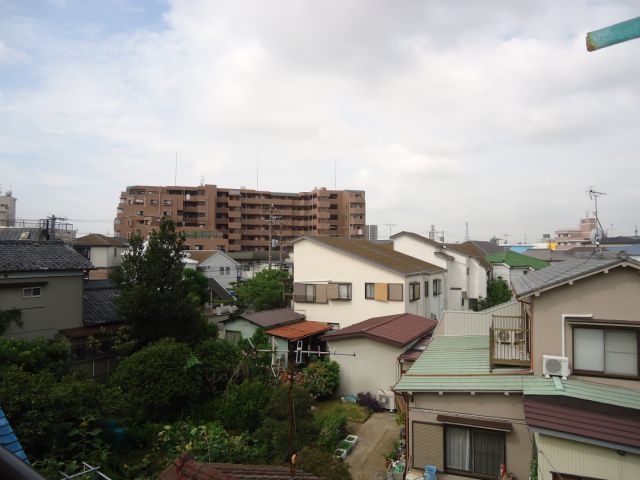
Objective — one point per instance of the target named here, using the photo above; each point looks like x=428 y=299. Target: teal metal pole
x=618 y=33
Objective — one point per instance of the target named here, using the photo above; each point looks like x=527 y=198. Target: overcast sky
x=442 y=111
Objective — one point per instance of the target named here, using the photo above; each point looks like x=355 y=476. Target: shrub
x=36 y=355
x=323 y=464
x=332 y=430
x=158 y=379
x=322 y=378
x=367 y=399
x=219 y=362
x=243 y=405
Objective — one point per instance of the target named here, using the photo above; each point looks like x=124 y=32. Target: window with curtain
x=369 y=290
x=414 y=291
x=344 y=291
x=476 y=451
x=605 y=351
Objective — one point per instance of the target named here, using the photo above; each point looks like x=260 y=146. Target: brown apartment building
x=241 y=219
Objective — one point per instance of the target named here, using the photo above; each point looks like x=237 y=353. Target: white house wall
x=211 y=269
x=375 y=366
x=316 y=263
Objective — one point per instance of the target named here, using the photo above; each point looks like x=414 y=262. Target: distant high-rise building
x=7 y=209
x=573 y=237
x=240 y=219
x=371 y=232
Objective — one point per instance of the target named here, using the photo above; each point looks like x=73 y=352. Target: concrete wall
x=486 y=406
x=58 y=307
x=581 y=459
x=316 y=263
x=610 y=296
x=477 y=279
x=375 y=366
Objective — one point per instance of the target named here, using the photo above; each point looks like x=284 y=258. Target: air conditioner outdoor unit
x=555 y=366
x=387 y=399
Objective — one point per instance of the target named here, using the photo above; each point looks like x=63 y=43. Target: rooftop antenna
x=466 y=232
x=636 y=230
x=202 y=180
x=390 y=225
x=506 y=238
x=599 y=231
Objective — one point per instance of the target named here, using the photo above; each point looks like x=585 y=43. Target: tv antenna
x=292 y=356
x=390 y=225
x=598 y=232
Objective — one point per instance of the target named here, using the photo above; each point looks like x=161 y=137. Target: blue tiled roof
x=9 y=440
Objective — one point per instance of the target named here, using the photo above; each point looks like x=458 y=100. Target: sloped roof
x=476 y=252
x=444 y=246
x=400 y=329
x=487 y=248
x=560 y=273
x=22 y=256
x=619 y=240
x=199 y=255
x=298 y=330
x=22 y=234
x=608 y=423
x=376 y=254
x=99 y=240
x=272 y=318
x=221 y=292
x=547 y=255
x=516 y=260
x=98 y=306
x=9 y=440
x=185 y=468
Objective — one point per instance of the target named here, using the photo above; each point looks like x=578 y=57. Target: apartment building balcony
x=324 y=215
x=357 y=210
x=235 y=213
x=222 y=209
x=234 y=235
x=255 y=243
x=235 y=203
x=510 y=341
x=235 y=224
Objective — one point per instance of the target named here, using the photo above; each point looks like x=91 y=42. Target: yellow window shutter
x=381 y=292
x=427 y=446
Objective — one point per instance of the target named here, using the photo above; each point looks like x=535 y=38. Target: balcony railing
x=510 y=341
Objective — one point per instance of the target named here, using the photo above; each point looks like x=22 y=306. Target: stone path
x=376 y=437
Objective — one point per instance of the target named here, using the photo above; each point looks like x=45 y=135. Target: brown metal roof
x=378 y=254
x=473 y=250
x=298 y=330
x=99 y=240
x=272 y=318
x=599 y=421
x=185 y=468
x=400 y=329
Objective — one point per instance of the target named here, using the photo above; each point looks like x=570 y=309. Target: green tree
x=36 y=355
x=322 y=378
x=323 y=464
x=497 y=292
x=265 y=291
x=220 y=362
x=158 y=380
x=156 y=299
x=197 y=286
x=243 y=405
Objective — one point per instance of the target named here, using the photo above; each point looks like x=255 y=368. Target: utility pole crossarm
x=618 y=33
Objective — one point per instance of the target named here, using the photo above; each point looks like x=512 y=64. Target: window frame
x=306 y=293
x=472 y=473
x=32 y=293
x=437 y=287
x=413 y=295
x=604 y=373
x=349 y=292
x=426 y=289
x=373 y=291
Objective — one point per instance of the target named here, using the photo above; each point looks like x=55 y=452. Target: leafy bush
x=367 y=399
x=264 y=291
x=323 y=464
x=322 y=378
x=243 y=405
x=36 y=355
x=332 y=430
x=219 y=362
x=158 y=379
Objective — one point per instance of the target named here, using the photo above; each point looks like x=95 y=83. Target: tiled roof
x=547 y=255
x=98 y=240
x=9 y=440
x=298 y=330
x=22 y=256
x=516 y=260
x=98 y=306
x=560 y=273
x=584 y=418
x=199 y=255
x=377 y=254
x=272 y=318
x=22 y=234
x=185 y=468
x=444 y=246
x=256 y=256
x=620 y=240
x=399 y=329
x=487 y=248
x=471 y=249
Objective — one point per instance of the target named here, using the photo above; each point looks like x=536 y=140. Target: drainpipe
x=569 y=315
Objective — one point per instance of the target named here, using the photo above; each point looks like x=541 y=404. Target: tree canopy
x=265 y=291
x=156 y=298
x=498 y=292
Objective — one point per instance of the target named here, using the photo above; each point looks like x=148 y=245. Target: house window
x=414 y=291
x=140 y=212
x=31 y=292
x=232 y=336
x=369 y=290
x=437 y=287
x=474 y=451
x=605 y=351
x=309 y=293
x=395 y=291
x=115 y=252
x=344 y=291
x=426 y=289
x=199 y=247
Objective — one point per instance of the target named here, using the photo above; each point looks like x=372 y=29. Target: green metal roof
x=461 y=364
x=516 y=260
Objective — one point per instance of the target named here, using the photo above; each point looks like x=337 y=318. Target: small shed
x=378 y=343
x=247 y=324
x=304 y=333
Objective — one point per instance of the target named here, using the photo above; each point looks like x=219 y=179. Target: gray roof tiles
x=98 y=307
x=24 y=256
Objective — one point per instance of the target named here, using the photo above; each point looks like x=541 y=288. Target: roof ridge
x=390 y=318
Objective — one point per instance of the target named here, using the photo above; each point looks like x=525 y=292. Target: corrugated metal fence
x=464 y=322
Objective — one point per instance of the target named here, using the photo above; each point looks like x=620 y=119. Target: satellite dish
x=595 y=235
